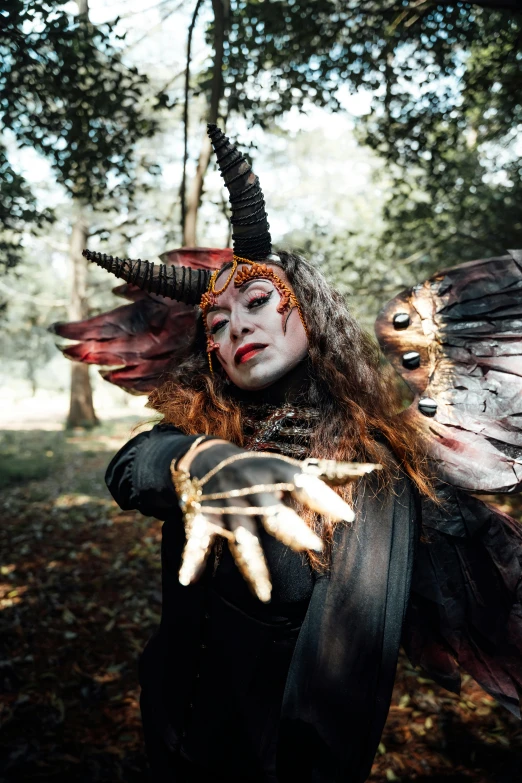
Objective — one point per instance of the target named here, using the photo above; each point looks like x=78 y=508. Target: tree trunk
x=221 y=10
x=31 y=376
x=183 y=189
x=81 y=408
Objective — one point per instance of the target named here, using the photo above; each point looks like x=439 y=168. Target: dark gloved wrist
x=208 y=459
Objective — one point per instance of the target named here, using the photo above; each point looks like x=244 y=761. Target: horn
x=176 y=282
x=251 y=236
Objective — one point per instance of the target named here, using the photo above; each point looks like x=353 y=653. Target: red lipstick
x=245 y=352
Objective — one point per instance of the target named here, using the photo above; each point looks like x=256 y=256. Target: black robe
x=233 y=690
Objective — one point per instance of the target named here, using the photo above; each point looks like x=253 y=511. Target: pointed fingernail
x=288 y=527
x=196 y=549
x=250 y=560
x=315 y=494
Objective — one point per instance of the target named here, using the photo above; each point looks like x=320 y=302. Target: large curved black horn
x=176 y=282
x=251 y=236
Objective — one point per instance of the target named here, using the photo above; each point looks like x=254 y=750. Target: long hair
x=349 y=385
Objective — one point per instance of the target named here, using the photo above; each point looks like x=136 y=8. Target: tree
x=214 y=87
x=445 y=113
x=66 y=92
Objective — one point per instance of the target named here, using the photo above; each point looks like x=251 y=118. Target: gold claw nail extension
x=287 y=526
x=199 y=540
x=250 y=560
x=337 y=473
x=314 y=493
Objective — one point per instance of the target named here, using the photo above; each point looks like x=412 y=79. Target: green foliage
x=467 y=211
x=449 y=134
x=65 y=91
x=307 y=49
x=461 y=82
x=356 y=265
x=446 y=109
x=17 y=209
x=417 y=232
x=33 y=455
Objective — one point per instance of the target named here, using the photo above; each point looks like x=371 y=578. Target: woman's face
x=255 y=344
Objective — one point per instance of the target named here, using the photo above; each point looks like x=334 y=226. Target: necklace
x=284 y=430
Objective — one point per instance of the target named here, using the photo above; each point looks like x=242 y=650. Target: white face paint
x=256 y=345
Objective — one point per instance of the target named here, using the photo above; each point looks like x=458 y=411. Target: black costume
x=214 y=676
x=300 y=689
x=234 y=689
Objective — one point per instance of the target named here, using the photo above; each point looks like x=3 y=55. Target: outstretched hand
x=230 y=492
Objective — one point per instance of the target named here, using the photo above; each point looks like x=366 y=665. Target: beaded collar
x=284 y=430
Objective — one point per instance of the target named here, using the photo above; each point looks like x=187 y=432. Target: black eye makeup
x=259 y=299
x=254 y=299
x=217 y=326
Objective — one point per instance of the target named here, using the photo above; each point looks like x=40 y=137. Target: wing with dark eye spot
x=457 y=342
x=139 y=341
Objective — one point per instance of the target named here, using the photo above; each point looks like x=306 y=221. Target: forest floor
x=80 y=595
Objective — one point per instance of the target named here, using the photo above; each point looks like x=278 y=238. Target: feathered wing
x=457 y=342
x=465 y=608
x=139 y=341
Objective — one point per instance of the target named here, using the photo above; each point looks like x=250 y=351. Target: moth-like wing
x=139 y=341
x=457 y=342
x=465 y=611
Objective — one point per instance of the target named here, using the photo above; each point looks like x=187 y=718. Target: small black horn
x=176 y=282
x=251 y=236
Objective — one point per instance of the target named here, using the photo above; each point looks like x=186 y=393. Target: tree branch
x=182 y=191
x=221 y=16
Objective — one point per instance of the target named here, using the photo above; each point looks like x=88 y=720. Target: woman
x=296 y=685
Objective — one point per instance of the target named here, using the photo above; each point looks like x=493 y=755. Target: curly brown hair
x=349 y=385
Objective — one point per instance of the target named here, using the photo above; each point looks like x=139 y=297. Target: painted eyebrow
x=241 y=288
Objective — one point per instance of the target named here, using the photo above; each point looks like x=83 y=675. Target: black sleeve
x=138 y=477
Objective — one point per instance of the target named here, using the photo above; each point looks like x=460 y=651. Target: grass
x=34 y=455
x=28 y=456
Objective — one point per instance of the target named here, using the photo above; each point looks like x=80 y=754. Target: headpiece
x=182 y=283
x=251 y=244
x=251 y=237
